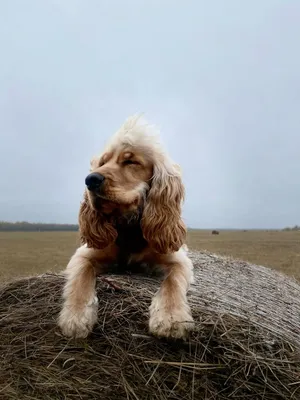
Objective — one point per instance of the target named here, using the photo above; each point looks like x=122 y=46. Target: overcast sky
x=221 y=79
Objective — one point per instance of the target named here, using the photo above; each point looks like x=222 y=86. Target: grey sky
x=221 y=79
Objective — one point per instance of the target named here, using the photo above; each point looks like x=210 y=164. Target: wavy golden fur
x=94 y=229
x=131 y=211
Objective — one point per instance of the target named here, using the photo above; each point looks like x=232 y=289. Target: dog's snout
x=94 y=181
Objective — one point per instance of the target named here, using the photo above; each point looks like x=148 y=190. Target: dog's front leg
x=170 y=314
x=80 y=307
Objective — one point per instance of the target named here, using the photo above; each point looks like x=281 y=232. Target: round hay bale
x=246 y=344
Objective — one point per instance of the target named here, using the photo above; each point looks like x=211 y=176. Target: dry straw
x=246 y=344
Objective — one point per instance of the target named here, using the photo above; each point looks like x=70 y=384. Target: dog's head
x=135 y=180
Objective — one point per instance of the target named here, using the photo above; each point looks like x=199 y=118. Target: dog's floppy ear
x=161 y=223
x=94 y=229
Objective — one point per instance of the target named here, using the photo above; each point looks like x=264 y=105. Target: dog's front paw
x=175 y=323
x=78 y=322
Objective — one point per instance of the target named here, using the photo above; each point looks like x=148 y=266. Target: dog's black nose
x=93 y=181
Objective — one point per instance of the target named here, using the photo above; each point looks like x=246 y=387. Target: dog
x=131 y=213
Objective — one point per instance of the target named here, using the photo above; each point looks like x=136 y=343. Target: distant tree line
x=294 y=228
x=24 y=226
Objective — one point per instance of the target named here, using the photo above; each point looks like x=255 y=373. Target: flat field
x=28 y=253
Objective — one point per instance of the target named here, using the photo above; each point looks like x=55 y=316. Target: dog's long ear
x=94 y=229
x=161 y=223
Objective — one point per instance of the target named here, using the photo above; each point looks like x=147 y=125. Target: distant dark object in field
x=246 y=344
x=215 y=232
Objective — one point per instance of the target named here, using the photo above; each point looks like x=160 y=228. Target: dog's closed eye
x=130 y=162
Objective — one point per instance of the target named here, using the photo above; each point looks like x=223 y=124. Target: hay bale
x=246 y=345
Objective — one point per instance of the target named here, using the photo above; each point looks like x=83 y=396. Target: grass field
x=27 y=253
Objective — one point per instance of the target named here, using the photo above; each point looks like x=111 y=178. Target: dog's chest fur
x=130 y=240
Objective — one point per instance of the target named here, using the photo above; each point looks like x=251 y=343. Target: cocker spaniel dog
x=131 y=213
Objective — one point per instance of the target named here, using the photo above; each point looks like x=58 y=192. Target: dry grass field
x=27 y=253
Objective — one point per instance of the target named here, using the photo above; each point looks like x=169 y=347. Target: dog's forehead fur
x=137 y=133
